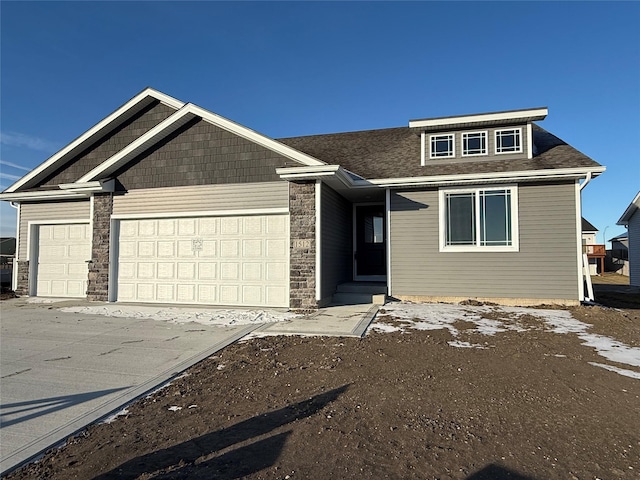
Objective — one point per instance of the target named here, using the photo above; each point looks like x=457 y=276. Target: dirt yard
x=533 y=396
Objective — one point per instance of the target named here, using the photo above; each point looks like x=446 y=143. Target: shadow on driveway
x=44 y=406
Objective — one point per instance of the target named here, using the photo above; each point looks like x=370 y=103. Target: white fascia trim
x=254 y=136
x=146 y=93
x=316 y=173
x=631 y=209
x=46 y=195
x=143 y=142
x=552 y=174
x=530 y=114
x=179 y=118
x=205 y=213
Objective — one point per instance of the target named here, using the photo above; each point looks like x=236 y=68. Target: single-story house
x=631 y=219
x=164 y=201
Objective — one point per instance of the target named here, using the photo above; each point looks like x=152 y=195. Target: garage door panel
x=62 y=254
x=208 y=260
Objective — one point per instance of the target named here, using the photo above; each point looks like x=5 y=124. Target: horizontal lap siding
x=51 y=211
x=203 y=198
x=545 y=267
x=337 y=244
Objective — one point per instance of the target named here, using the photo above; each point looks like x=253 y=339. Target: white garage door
x=63 y=251
x=240 y=260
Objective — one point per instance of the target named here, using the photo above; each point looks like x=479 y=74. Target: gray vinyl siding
x=122 y=136
x=49 y=211
x=545 y=266
x=203 y=198
x=200 y=153
x=634 y=249
x=491 y=145
x=336 y=229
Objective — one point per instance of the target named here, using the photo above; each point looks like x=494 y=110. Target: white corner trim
x=114 y=235
x=388 y=212
x=136 y=101
x=14 y=270
x=423 y=148
x=529 y=141
x=318 y=193
x=578 y=200
x=528 y=114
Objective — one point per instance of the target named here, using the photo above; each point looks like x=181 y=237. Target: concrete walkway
x=61 y=371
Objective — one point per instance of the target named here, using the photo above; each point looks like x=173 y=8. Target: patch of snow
x=460 y=344
x=178 y=315
x=621 y=371
x=174 y=408
x=46 y=300
x=384 y=327
x=112 y=418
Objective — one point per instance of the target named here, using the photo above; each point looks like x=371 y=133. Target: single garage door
x=63 y=251
x=239 y=260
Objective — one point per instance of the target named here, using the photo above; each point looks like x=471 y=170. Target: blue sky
x=288 y=69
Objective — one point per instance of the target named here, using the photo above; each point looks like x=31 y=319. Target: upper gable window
x=509 y=141
x=474 y=143
x=442 y=146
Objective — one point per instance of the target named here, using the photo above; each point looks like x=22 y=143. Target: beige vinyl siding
x=54 y=211
x=203 y=198
x=545 y=266
x=336 y=229
x=634 y=249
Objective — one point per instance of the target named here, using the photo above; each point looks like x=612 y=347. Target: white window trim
x=453 y=146
x=495 y=139
x=515 y=244
x=486 y=143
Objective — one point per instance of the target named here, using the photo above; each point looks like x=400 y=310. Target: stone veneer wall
x=302 y=209
x=98 y=285
x=22 y=286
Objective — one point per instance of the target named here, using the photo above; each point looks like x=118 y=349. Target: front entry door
x=371 y=244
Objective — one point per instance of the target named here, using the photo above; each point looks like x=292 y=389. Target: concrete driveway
x=62 y=371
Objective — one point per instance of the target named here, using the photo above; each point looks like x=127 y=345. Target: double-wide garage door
x=232 y=260
x=63 y=251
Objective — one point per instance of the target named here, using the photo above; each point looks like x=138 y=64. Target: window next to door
x=479 y=219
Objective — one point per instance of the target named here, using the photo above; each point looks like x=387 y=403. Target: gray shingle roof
x=588 y=226
x=395 y=153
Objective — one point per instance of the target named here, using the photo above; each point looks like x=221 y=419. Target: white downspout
x=14 y=268
x=581 y=257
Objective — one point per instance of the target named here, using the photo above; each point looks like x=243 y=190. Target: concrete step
x=344 y=298
x=362 y=287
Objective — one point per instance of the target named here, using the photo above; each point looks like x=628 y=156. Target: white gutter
x=65 y=191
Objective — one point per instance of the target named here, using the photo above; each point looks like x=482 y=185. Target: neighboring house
x=7 y=253
x=595 y=253
x=618 y=256
x=167 y=202
x=631 y=219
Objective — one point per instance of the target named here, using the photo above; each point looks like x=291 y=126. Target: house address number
x=302 y=243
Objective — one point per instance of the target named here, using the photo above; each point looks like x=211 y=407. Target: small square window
x=442 y=146
x=509 y=141
x=474 y=143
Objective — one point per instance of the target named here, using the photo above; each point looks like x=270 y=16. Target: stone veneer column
x=302 y=210
x=98 y=285
x=22 y=287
